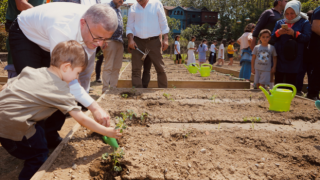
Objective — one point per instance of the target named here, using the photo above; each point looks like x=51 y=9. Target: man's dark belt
x=150 y=38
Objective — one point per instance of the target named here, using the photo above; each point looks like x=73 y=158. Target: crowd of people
x=52 y=49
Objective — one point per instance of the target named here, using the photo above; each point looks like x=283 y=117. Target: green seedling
x=130 y=113
x=173 y=86
x=253 y=120
x=250 y=97
x=121 y=124
x=213 y=97
x=133 y=90
x=144 y=116
x=125 y=96
x=166 y=95
x=219 y=126
x=115 y=157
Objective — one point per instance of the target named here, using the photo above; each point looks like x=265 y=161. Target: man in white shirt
x=35 y=33
x=146 y=21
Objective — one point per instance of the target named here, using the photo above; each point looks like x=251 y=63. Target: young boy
x=261 y=59
x=213 y=49
x=36 y=94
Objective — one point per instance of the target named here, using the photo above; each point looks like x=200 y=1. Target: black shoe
x=99 y=80
x=52 y=144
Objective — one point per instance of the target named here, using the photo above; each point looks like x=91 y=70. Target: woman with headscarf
x=290 y=35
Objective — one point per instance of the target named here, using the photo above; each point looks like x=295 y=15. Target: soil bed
x=180 y=150
x=178 y=72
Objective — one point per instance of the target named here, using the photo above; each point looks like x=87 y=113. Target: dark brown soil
x=176 y=142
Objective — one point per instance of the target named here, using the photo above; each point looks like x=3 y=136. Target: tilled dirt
x=176 y=143
x=178 y=72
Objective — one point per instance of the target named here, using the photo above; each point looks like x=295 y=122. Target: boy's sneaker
x=99 y=80
x=299 y=93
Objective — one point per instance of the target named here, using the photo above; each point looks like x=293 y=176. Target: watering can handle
x=207 y=65
x=196 y=64
x=287 y=85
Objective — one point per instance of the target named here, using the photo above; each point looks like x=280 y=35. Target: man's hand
x=253 y=71
x=99 y=114
x=131 y=43
x=273 y=70
x=3 y=87
x=165 y=42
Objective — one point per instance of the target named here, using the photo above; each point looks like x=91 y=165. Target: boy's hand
x=114 y=133
x=253 y=71
x=273 y=70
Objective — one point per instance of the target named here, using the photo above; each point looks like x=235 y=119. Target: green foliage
x=3 y=10
x=124 y=96
x=213 y=97
x=167 y=95
x=121 y=124
x=309 y=5
x=133 y=90
x=115 y=157
x=253 y=120
x=144 y=116
x=124 y=20
x=174 y=24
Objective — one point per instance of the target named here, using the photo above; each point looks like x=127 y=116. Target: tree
x=171 y=2
x=174 y=24
x=3 y=10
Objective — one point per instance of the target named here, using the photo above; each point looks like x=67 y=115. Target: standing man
x=146 y=21
x=13 y=10
x=114 y=52
x=35 y=33
x=314 y=48
x=268 y=20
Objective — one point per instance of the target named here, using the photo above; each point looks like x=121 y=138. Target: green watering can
x=192 y=68
x=205 y=70
x=111 y=141
x=280 y=99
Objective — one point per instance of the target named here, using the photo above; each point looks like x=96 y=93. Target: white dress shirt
x=147 y=22
x=52 y=23
x=212 y=48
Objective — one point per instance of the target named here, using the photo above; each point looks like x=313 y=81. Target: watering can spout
x=185 y=66
x=265 y=93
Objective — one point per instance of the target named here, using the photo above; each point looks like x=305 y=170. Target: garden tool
x=111 y=141
x=280 y=99
x=205 y=70
x=192 y=68
x=144 y=54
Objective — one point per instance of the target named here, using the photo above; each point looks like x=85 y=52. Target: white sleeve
x=80 y=94
x=130 y=22
x=162 y=19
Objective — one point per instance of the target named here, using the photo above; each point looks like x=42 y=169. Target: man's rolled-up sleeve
x=80 y=94
x=163 y=20
x=130 y=22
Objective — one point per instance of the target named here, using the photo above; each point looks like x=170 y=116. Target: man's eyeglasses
x=96 y=39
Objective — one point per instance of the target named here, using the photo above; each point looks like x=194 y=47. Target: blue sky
x=128 y=1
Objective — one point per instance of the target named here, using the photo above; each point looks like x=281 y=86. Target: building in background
x=191 y=15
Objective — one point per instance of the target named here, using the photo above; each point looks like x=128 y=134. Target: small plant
x=166 y=95
x=121 y=124
x=115 y=156
x=130 y=113
x=213 y=97
x=133 y=90
x=253 y=120
x=144 y=116
x=125 y=96
x=173 y=86
x=219 y=126
x=250 y=97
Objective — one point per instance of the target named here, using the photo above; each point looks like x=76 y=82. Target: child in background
x=231 y=51
x=221 y=52
x=34 y=95
x=191 y=48
x=213 y=55
x=203 y=48
x=177 y=50
x=261 y=59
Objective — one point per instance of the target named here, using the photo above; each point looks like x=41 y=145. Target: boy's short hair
x=264 y=31
x=69 y=52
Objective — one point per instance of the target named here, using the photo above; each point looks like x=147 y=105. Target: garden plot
x=178 y=72
x=179 y=140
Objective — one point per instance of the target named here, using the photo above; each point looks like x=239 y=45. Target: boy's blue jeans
x=33 y=150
